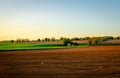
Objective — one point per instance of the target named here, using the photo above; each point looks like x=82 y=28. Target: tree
x=26 y=40
x=22 y=40
x=53 y=39
x=12 y=41
x=110 y=37
x=47 y=39
x=75 y=38
x=42 y=40
x=117 y=37
x=94 y=40
x=66 y=41
x=19 y=40
x=87 y=38
x=62 y=38
x=90 y=42
x=104 y=38
x=38 y=39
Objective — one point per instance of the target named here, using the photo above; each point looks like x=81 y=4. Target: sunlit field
x=21 y=46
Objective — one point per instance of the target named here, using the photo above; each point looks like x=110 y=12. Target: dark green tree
x=19 y=40
x=12 y=41
x=53 y=39
x=38 y=39
x=62 y=38
x=66 y=41
x=47 y=39
x=75 y=38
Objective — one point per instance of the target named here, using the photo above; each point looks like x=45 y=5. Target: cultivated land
x=8 y=46
x=87 y=62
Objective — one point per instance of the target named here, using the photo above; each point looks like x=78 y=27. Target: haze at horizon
x=55 y=18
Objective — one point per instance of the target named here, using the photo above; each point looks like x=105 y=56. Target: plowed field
x=87 y=62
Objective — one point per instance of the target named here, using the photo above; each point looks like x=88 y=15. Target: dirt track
x=89 y=62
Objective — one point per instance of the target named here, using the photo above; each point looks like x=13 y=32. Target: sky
x=35 y=19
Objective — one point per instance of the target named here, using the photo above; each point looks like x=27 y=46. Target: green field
x=20 y=46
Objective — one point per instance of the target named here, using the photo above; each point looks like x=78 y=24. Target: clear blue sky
x=55 y=18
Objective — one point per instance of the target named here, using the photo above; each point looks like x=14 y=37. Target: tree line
x=92 y=40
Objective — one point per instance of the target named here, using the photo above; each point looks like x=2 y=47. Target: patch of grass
x=17 y=46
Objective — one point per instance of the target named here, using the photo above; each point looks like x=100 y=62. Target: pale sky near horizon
x=55 y=18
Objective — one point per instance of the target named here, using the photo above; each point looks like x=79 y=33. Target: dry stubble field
x=87 y=62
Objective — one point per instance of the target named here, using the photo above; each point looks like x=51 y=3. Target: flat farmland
x=85 y=62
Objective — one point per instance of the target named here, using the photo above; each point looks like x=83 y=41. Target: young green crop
x=17 y=46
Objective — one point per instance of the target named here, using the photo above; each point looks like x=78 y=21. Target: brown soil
x=89 y=62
